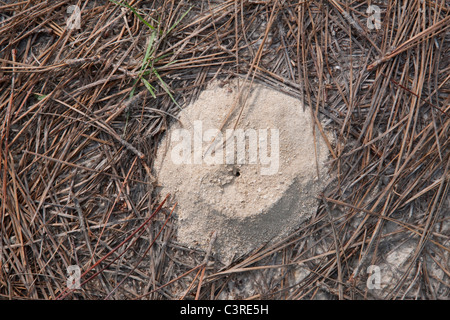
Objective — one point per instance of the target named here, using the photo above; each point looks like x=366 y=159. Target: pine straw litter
x=83 y=110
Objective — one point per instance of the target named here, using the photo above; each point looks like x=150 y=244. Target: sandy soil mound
x=251 y=185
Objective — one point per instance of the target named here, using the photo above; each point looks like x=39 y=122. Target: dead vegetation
x=79 y=130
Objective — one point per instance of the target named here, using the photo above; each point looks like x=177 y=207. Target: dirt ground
x=89 y=88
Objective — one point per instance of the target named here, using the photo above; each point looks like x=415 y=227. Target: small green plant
x=150 y=59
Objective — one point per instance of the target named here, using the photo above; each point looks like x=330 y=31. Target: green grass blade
x=126 y=5
x=149 y=87
x=165 y=87
x=148 y=53
x=178 y=21
x=40 y=96
x=145 y=62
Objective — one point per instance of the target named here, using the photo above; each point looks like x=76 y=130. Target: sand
x=247 y=194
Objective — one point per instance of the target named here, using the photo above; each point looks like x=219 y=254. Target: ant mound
x=244 y=166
